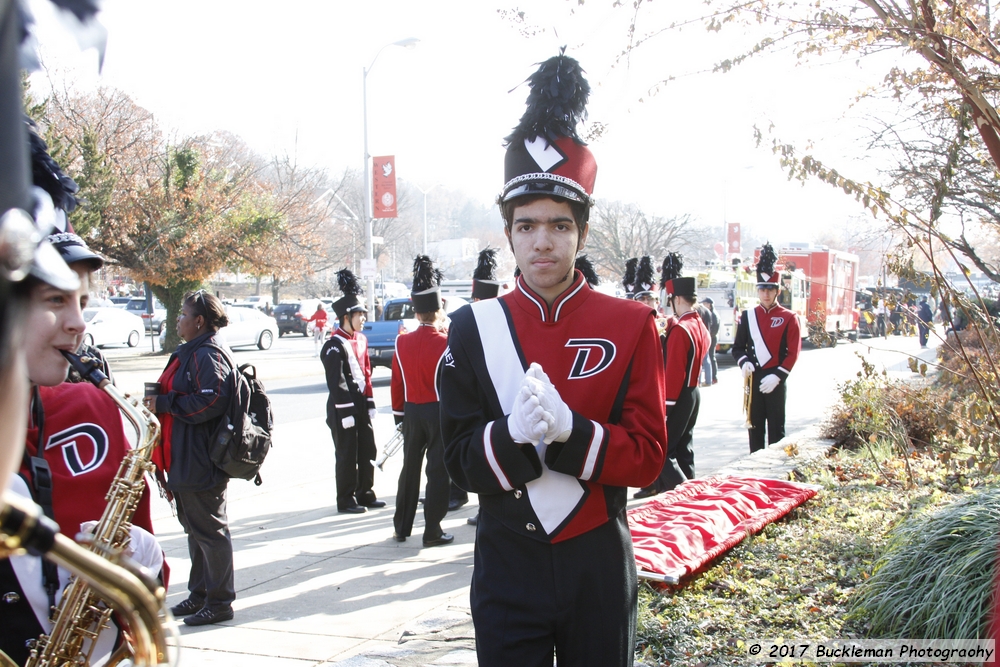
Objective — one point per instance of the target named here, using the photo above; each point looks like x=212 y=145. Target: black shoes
x=443 y=539
x=473 y=520
x=368 y=500
x=186 y=608
x=455 y=503
x=352 y=509
x=207 y=617
x=648 y=492
x=374 y=505
x=399 y=538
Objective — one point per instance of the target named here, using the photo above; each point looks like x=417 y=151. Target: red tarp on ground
x=675 y=534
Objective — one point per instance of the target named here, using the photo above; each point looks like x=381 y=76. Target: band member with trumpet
x=685 y=344
x=350 y=409
x=415 y=404
x=766 y=347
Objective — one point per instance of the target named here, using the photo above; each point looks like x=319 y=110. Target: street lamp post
x=410 y=42
x=425 y=193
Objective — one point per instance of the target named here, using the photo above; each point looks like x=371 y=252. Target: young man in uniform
x=351 y=406
x=766 y=348
x=415 y=405
x=551 y=407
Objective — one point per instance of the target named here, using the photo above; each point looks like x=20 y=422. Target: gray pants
x=203 y=516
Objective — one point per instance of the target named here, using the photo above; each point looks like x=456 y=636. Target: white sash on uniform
x=759 y=346
x=352 y=361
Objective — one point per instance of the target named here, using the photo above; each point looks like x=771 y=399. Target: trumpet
x=747 y=399
x=391 y=447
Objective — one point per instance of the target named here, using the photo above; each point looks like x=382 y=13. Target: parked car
x=137 y=306
x=119 y=301
x=260 y=302
x=247 y=327
x=112 y=326
x=397 y=318
x=291 y=316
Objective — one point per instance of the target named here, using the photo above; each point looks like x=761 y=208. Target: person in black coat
x=924 y=316
x=194 y=394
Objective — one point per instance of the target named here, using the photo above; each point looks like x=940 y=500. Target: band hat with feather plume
x=484 y=278
x=426 y=293
x=584 y=266
x=645 y=278
x=351 y=289
x=545 y=155
x=767 y=275
x=628 y=280
x=671 y=280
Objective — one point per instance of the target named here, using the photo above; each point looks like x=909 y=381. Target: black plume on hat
x=486 y=266
x=766 y=275
x=587 y=269
x=348 y=283
x=628 y=280
x=426 y=292
x=645 y=279
x=671 y=268
x=557 y=101
x=49 y=176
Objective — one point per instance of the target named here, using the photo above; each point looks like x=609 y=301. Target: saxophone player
x=75 y=439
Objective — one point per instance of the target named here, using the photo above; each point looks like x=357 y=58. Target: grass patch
x=798 y=577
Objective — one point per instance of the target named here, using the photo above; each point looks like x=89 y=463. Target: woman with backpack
x=195 y=392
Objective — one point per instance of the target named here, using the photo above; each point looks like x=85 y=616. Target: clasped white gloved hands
x=539 y=412
x=747 y=369
x=371 y=414
x=561 y=424
x=347 y=422
x=527 y=421
x=769 y=384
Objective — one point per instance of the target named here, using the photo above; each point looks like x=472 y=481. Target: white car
x=112 y=326
x=249 y=326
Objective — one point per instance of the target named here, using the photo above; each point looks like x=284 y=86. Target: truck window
x=401 y=310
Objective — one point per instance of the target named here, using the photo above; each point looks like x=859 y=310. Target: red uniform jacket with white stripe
x=769 y=339
x=415 y=367
x=684 y=348
x=603 y=356
x=348 y=375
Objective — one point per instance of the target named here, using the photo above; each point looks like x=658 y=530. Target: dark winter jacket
x=200 y=395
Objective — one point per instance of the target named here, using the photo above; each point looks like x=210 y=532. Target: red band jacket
x=348 y=375
x=603 y=355
x=685 y=345
x=769 y=339
x=415 y=367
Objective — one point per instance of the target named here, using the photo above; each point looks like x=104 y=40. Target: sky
x=287 y=78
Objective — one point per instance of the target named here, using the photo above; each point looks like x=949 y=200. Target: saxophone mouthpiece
x=88 y=368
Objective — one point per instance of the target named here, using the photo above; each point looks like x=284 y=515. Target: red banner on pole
x=384 y=186
x=733 y=238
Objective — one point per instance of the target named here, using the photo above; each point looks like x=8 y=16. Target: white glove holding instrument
x=347 y=422
x=527 y=421
x=769 y=384
x=371 y=414
x=550 y=400
x=748 y=369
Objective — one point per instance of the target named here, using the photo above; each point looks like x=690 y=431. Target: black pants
x=575 y=598
x=923 y=330
x=679 y=464
x=203 y=516
x=766 y=409
x=355 y=450
x=422 y=435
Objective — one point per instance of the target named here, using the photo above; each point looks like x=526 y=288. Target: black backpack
x=243 y=436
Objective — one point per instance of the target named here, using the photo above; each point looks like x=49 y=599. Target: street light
x=424 y=193
x=408 y=43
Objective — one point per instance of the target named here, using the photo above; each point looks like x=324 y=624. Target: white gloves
x=747 y=369
x=371 y=414
x=526 y=422
x=561 y=423
x=769 y=384
x=347 y=422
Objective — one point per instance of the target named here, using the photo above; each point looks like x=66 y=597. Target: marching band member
x=766 y=347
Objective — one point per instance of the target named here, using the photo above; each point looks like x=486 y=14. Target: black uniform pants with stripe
x=355 y=450
x=203 y=517
x=422 y=436
x=680 y=440
x=575 y=598
x=766 y=410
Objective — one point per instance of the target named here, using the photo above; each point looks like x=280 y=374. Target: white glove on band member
x=769 y=384
x=748 y=369
x=552 y=403
x=371 y=414
x=527 y=421
x=347 y=422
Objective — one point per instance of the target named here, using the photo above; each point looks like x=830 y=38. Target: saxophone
x=84 y=610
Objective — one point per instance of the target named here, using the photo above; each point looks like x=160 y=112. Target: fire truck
x=818 y=285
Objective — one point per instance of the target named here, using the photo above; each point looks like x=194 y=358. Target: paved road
x=318 y=588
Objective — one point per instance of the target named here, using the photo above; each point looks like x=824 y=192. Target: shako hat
x=671 y=280
x=351 y=289
x=545 y=155
x=628 y=280
x=584 y=266
x=484 y=279
x=426 y=292
x=74 y=249
x=767 y=276
x=645 y=278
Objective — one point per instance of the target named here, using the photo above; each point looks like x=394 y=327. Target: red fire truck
x=831 y=282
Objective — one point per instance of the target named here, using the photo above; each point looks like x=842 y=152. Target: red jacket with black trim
x=415 y=367
x=344 y=355
x=777 y=339
x=685 y=345
x=603 y=355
